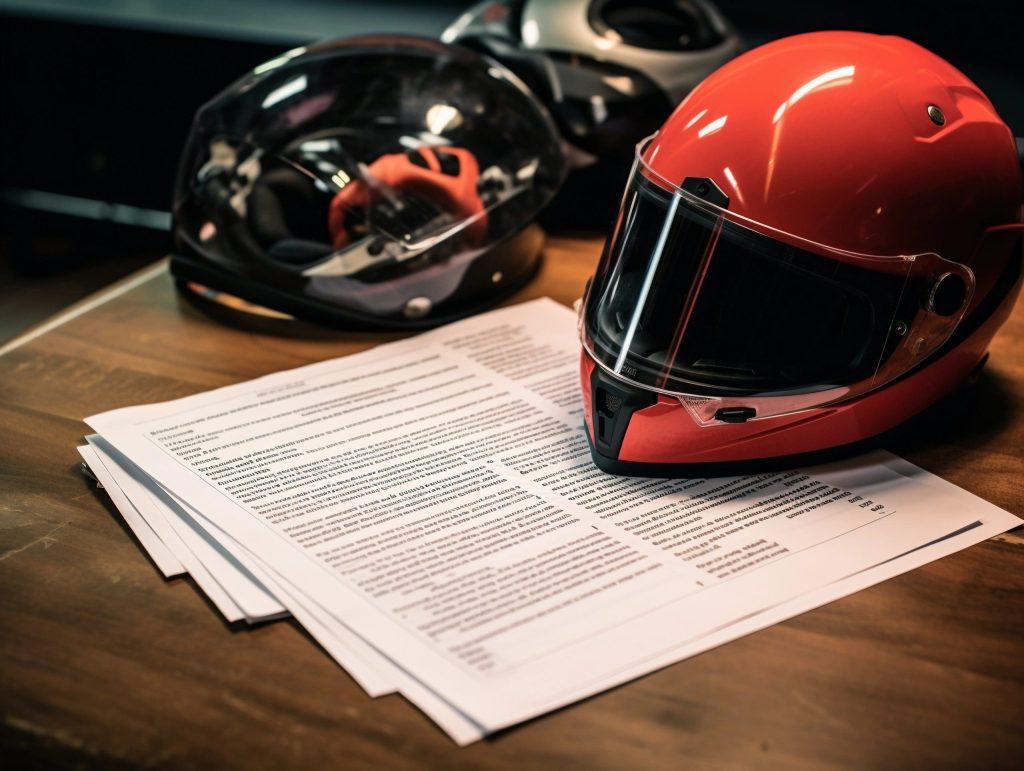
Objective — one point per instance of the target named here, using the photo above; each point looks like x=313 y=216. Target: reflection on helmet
x=440 y=187
x=386 y=180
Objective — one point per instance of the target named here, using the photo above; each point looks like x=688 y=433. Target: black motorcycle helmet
x=383 y=181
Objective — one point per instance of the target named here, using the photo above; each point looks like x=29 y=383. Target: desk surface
x=102 y=662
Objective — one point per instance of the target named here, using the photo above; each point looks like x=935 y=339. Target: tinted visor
x=691 y=300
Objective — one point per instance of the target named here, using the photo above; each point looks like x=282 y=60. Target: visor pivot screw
x=947 y=295
x=936 y=115
x=702 y=188
x=496 y=277
x=417 y=307
x=900 y=329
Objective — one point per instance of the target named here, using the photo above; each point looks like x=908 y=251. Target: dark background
x=96 y=98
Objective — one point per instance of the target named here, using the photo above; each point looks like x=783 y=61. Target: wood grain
x=103 y=663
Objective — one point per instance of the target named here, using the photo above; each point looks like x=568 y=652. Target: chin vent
x=611 y=402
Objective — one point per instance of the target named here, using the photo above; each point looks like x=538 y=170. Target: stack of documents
x=429 y=511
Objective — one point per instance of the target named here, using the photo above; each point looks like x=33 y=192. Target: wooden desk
x=104 y=663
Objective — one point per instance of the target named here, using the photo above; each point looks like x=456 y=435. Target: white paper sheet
x=163 y=557
x=464 y=731
x=375 y=673
x=435 y=495
x=254 y=601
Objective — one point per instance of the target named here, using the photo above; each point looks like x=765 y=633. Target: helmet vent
x=611 y=402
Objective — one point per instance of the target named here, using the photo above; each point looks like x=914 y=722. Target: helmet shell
x=609 y=71
x=860 y=142
x=386 y=181
x=856 y=143
x=675 y=43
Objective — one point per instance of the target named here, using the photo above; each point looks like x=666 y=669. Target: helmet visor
x=692 y=300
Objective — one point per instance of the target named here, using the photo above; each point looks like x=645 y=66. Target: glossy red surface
x=827 y=136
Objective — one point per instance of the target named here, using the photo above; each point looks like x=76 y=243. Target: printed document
x=431 y=504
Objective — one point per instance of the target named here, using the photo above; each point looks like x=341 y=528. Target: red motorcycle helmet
x=818 y=244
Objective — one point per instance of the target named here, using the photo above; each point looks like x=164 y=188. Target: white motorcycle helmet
x=610 y=71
